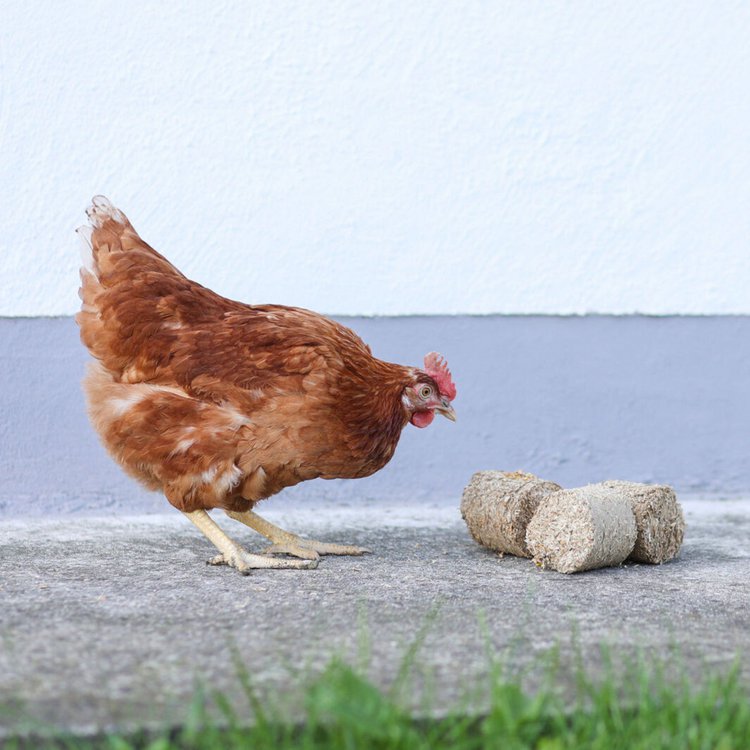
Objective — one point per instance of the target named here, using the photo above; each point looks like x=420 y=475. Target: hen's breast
x=335 y=426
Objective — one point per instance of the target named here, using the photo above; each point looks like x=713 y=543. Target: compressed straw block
x=498 y=505
x=581 y=529
x=658 y=519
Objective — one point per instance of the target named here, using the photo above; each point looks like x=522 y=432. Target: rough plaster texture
x=575 y=400
x=113 y=621
x=388 y=158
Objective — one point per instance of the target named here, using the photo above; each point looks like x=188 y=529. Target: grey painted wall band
x=571 y=399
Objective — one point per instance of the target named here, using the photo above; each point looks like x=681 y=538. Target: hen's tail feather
x=87 y=249
x=109 y=236
x=115 y=259
x=101 y=210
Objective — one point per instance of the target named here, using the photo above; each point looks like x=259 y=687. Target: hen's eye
x=425 y=391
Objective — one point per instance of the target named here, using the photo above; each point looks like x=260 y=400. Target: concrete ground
x=112 y=621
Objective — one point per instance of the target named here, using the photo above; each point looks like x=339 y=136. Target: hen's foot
x=309 y=549
x=286 y=543
x=234 y=555
x=245 y=562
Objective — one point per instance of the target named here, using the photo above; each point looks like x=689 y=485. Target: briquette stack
x=573 y=530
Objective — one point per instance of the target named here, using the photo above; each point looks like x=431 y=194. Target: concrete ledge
x=110 y=621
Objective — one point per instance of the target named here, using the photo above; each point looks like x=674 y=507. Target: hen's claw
x=244 y=562
x=309 y=549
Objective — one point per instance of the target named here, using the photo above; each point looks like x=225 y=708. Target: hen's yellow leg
x=284 y=542
x=233 y=554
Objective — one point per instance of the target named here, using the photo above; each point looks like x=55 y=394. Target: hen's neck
x=377 y=416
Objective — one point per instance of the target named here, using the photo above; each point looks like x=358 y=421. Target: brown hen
x=221 y=404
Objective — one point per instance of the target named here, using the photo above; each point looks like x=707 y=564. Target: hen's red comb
x=437 y=368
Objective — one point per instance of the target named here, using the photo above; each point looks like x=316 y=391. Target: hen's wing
x=147 y=322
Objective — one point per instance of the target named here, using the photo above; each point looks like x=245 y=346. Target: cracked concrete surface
x=112 y=621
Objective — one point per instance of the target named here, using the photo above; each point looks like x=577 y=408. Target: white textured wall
x=393 y=157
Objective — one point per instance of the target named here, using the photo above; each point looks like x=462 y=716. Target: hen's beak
x=446 y=410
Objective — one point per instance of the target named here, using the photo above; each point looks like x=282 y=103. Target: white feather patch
x=87 y=247
x=183 y=445
x=237 y=417
x=224 y=482
x=119 y=406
